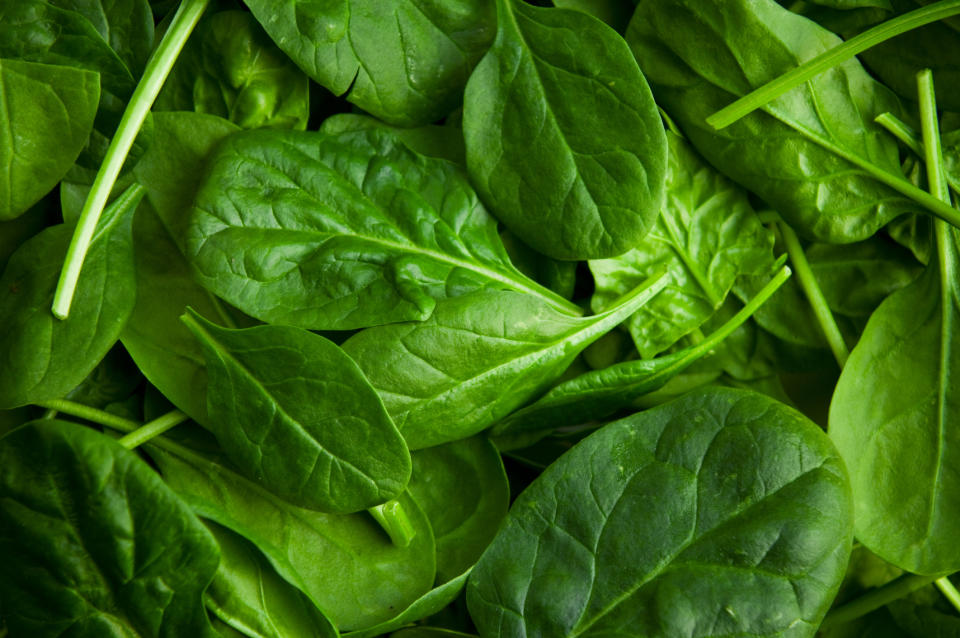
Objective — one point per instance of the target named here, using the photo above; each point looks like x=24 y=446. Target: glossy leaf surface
x=93 y=543
x=475 y=360
x=404 y=62
x=563 y=139
x=644 y=529
x=342 y=231
x=297 y=414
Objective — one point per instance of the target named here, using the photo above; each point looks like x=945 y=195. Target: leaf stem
x=911 y=139
x=157 y=70
x=876 y=598
x=930 y=128
x=100 y=417
x=152 y=428
x=949 y=591
x=395 y=522
x=808 y=282
x=828 y=59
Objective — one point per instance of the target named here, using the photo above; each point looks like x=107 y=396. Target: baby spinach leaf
x=814 y=153
x=900 y=443
x=721 y=513
x=432 y=140
x=427 y=605
x=342 y=232
x=462 y=488
x=476 y=359
x=249 y=595
x=706 y=236
x=46 y=115
x=563 y=139
x=404 y=62
x=346 y=565
x=93 y=543
x=43 y=357
x=114 y=379
x=297 y=414
x=231 y=68
x=126 y=25
x=558 y=276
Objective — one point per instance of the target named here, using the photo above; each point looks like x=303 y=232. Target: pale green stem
x=949 y=591
x=930 y=128
x=157 y=70
x=875 y=599
x=152 y=428
x=911 y=139
x=94 y=415
x=829 y=59
x=49 y=413
x=808 y=282
x=394 y=520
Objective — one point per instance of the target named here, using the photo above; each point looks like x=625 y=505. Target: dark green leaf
x=46 y=115
x=476 y=359
x=722 y=513
x=706 y=236
x=93 y=544
x=616 y=13
x=44 y=357
x=404 y=62
x=341 y=232
x=346 y=565
x=249 y=595
x=231 y=68
x=126 y=25
x=463 y=490
x=443 y=142
x=564 y=141
x=700 y=55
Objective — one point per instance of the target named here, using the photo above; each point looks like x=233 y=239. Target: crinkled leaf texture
x=342 y=231
x=345 y=564
x=701 y=55
x=563 y=138
x=42 y=357
x=477 y=359
x=706 y=236
x=93 y=544
x=894 y=418
x=723 y=513
x=296 y=413
x=404 y=61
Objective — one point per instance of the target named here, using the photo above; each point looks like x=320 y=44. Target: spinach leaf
x=43 y=357
x=815 y=164
x=296 y=413
x=563 y=138
x=645 y=528
x=427 y=605
x=342 y=232
x=114 y=379
x=404 y=62
x=616 y=13
x=46 y=115
x=477 y=358
x=432 y=140
x=346 y=565
x=126 y=25
x=249 y=595
x=462 y=488
x=558 y=276
x=900 y=442
x=231 y=68
x=93 y=543
x=707 y=235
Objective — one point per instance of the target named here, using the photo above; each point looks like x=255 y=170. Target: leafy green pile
x=439 y=318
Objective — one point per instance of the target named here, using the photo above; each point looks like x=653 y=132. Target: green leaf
x=346 y=565
x=93 y=543
x=427 y=605
x=341 y=232
x=616 y=13
x=722 y=513
x=564 y=141
x=297 y=414
x=231 y=68
x=899 y=443
x=814 y=154
x=463 y=490
x=46 y=115
x=406 y=63
x=249 y=595
x=706 y=236
x=126 y=25
x=476 y=359
x=43 y=357
x=443 y=142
